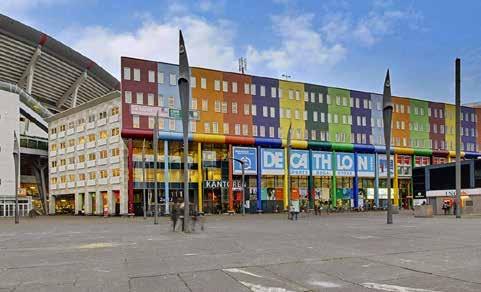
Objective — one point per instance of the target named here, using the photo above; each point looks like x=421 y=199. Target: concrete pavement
x=339 y=252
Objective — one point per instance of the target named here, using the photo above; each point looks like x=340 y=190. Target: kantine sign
x=321 y=163
x=272 y=161
x=249 y=156
x=299 y=164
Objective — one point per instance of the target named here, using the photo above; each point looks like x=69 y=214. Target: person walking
x=174 y=215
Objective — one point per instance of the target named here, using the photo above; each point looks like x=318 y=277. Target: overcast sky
x=339 y=43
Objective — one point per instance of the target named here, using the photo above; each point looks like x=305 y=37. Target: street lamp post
x=16 y=159
x=387 y=118
x=242 y=183
x=458 y=137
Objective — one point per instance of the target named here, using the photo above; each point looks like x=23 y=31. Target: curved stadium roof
x=58 y=70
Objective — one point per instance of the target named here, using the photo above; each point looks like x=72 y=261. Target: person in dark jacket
x=174 y=215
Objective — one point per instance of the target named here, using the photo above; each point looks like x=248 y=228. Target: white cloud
x=21 y=9
x=210 y=43
x=299 y=43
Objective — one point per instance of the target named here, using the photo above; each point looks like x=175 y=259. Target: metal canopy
x=56 y=67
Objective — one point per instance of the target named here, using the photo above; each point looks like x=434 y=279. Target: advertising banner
x=321 y=163
x=272 y=161
x=383 y=165
x=249 y=156
x=366 y=165
x=345 y=164
x=299 y=162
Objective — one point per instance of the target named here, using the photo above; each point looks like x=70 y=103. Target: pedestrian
x=181 y=214
x=174 y=215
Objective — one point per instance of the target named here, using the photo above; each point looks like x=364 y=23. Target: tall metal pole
x=387 y=118
x=184 y=93
x=458 y=138
x=243 y=190
x=288 y=175
x=155 y=146
x=16 y=159
x=144 y=182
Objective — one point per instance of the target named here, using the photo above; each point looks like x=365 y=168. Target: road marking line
x=234 y=270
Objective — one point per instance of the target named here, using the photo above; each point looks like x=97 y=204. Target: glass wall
x=272 y=193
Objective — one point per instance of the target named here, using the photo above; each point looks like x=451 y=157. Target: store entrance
x=216 y=200
x=405 y=194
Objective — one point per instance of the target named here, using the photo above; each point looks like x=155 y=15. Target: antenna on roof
x=242 y=65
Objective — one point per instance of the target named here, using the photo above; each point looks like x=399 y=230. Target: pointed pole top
x=183 y=60
x=387 y=98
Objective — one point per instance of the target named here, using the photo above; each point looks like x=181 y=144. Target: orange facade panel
x=400 y=121
x=209 y=97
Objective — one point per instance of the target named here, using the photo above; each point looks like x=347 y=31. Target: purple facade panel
x=361 y=116
x=267 y=100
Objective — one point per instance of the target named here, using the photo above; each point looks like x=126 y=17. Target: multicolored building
x=337 y=137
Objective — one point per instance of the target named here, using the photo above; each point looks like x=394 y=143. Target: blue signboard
x=383 y=165
x=299 y=164
x=272 y=161
x=345 y=164
x=249 y=156
x=321 y=163
x=366 y=165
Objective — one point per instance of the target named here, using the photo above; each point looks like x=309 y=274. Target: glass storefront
x=344 y=189
x=272 y=193
x=300 y=185
x=364 y=184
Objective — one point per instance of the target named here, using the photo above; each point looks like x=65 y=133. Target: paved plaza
x=338 y=252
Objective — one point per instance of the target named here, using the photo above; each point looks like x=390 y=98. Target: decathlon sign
x=321 y=163
x=299 y=164
x=345 y=164
x=249 y=156
x=272 y=161
x=366 y=165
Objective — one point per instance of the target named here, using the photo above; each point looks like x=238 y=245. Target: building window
x=254 y=130
x=193 y=82
x=246 y=88
x=237 y=129
x=203 y=83
x=224 y=107
x=103 y=134
x=245 y=130
x=103 y=154
x=253 y=89
x=140 y=98
x=225 y=86
x=160 y=77
x=217 y=106
x=328 y=99
x=323 y=117
x=150 y=99
x=215 y=128
x=136 y=74
x=296 y=114
x=126 y=73
x=263 y=90
x=151 y=76
x=128 y=96
x=234 y=107
x=114 y=132
x=115 y=152
x=254 y=110
x=226 y=128
x=114 y=111
x=273 y=112
x=234 y=87
x=151 y=122
x=194 y=103
x=288 y=113
x=246 y=109
x=207 y=127
x=314 y=116
x=135 y=121
x=273 y=92
x=171 y=124
x=264 y=112
x=217 y=85
x=92 y=175
x=173 y=79
x=205 y=105
x=91 y=138
x=116 y=172
x=262 y=131
x=193 y=126
x=160 y=100
x=271 y=132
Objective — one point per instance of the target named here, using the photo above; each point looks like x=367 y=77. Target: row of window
x=81 y=158
x=85 y=139
x=436 y=113
x=83 y=176
x=81 y=121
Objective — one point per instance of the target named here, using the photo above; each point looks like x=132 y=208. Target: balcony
x=114 y=139
x=70 y=149
x=103 y=181
x=81 y=165
x=70 y=131
x=53 y=136
x=53 y=169
x=102 y=161
x=61 y=134
x=114 y=159
x=114 y=119
x=115 y=180
x=91 y=182
x=90 y=144
x=61 y=151
x=71 y=167
x=102 y=142
x=91 y=163
x=53 y=153
x=90 y=125
x=61 y=185
x=80 y=128
x=61 y=168
x=80 y=147
x=71 y=185
x=81 y=183
x=101 y=122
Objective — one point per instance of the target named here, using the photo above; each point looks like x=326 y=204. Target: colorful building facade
x=337 y=139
